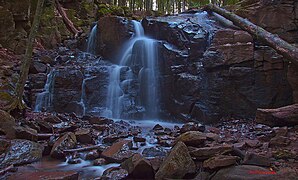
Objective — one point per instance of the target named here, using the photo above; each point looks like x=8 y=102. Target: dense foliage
x=165 y=6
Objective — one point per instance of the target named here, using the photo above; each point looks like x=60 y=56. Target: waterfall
x=91 y=44
x=137 y=69
x=44 y=99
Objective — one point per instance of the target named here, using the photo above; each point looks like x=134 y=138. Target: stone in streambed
x=192 y=138
x=220 y=161
x=26 y=133
x=115 y=173
x=207 y=152
x=118 y=152
x=22 y=152
x=138 y=167
x=84 y=136
x=177 y=164
x=255 y=159
x=244 y=172
x=7 y=122
x=68 y=141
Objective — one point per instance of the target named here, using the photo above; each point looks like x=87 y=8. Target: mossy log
x=282 y=47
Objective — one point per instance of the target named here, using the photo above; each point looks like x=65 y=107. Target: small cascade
x=44 y=99
x=91 y=44
x=133 y=85
x=83 y=96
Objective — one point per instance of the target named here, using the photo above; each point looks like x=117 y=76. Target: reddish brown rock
x=192 y=138
x=245 y=172
x=26 y=133
x=139 y=139
x=65 y=142
x=84 y=136
x=7 y=123
x=118 y=152
x=207 y=152
x=138 y=167
x=255 y=159
x=284 y=116
x=177 y=164
x=220 y=161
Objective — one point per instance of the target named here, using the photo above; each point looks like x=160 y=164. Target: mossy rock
x=118 y=11
x=103 y=12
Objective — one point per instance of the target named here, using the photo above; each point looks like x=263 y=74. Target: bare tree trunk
x=70 y=26
x=19 y=91
x=282 y=47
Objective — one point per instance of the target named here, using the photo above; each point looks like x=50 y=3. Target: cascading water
x=91 y=44
x=44 y=99
x=137 y=69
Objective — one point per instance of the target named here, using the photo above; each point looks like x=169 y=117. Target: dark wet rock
x=212 y=137
x=92 y=155
x=68 y=90
x=103 y=127
x=279 y=141
x=45 y=127
x=22 y=152
x=74 y=161
x=192 y=138
x=220 y=161
x=112 y=33
x=156 y=163
x=99 y=162
x=67 y=141
x=114 y=137
x=253 y=143
x=139 y=139
x=255 y=159
x=4 y=145
x=245 y=172
x=177 y=164
x=118 y=152
x=157 y=127
x=7 y=123
x=280 y=131
x=52 y=119
x=284 y=116
x=208 y=152
x=98 y=120
x=138 y=167
x=116 y=173
x=37 y=67
x=26 y=133
x=191 y=126
x=202 y=176
x=65 y=175
x=84 y=136
x=154 y=152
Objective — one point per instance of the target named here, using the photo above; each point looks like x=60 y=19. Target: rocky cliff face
x=277 y=16
x=218 y=72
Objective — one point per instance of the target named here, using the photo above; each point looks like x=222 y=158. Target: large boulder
x=7 y=123
x=22 y=152
x=177 y=164
x=284 y=116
